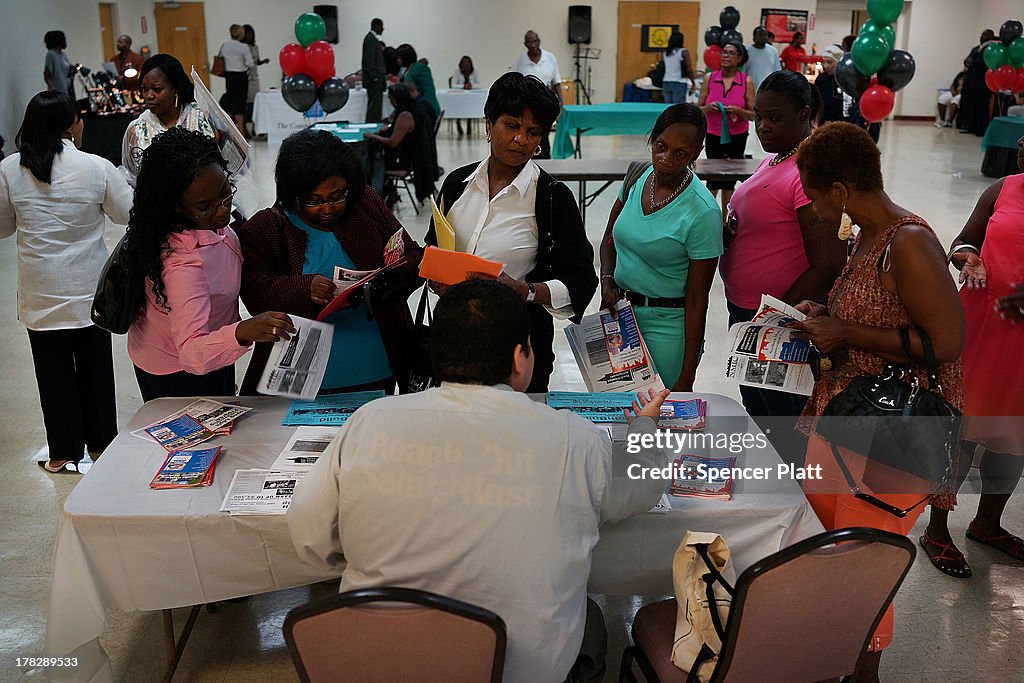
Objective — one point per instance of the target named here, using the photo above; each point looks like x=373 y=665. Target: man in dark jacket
x=373 y=71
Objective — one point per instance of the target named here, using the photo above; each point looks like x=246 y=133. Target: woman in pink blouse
x=188 y=334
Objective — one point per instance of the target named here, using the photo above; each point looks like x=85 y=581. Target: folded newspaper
x=611 y=353
x=764 y=353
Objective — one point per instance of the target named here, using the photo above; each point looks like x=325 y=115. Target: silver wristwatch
x=532 y=294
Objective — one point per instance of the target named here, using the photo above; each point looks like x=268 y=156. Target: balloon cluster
x=1005 y=59
x=308 y=68
x=872 y=72
x=717 y=37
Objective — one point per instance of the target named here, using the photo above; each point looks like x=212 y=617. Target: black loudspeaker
x=329 y=13
x=579 y=24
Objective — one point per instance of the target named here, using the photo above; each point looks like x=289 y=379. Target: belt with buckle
x=641 y=300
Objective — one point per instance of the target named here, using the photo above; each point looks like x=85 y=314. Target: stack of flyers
x=601 y=407
x=686 y=415
x=186 y=469
x=260 y=492
x=702 y=477
x=229 y=427
x=193 y=424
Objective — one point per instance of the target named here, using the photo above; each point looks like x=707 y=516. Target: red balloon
x=1004 y=77
x=876 y=103
x=1018 y=82
x=319 y=60
x=990 y=80
x=713 y=57
x=292 y=59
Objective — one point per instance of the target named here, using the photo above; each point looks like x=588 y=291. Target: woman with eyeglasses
x=188 y=335
x=326 y=217
x=727 y=100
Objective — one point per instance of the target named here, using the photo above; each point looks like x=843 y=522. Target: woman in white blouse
x=237 y=62
x=464 y=78
x=56 y=197
x=169 y=98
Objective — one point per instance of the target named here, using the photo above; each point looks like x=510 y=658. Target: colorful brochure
x=186 y=469
x=702 y=477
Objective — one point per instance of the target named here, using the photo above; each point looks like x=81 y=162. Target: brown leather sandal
x=946 y=557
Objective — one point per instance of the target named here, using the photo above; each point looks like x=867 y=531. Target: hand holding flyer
x=764 y=353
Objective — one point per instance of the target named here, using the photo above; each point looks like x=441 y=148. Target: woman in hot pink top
x=772 y=245
x=727 y=99
x=188 y=333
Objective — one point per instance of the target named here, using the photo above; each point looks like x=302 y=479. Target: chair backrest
x=807 y=612
x=395 y=634
x=437 y=124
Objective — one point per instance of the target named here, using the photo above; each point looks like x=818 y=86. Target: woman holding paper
x=327 y=217
x=661 y=247
x=188 y=334
x=507 y=209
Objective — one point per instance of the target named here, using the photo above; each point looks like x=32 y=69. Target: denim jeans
x=674 y=91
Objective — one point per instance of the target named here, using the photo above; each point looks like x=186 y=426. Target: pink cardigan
x=202 y=276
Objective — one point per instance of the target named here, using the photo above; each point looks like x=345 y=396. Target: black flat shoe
x=65 y=466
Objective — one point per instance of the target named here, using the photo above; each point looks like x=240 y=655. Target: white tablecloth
x=122 y=545
x=462 y=104
x=271 y=115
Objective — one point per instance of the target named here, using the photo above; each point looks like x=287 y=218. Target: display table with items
x=462 y=104
x=271 y=115
x=612 y=118
x=123 y=545
x=103 y=134
x=1000 y=146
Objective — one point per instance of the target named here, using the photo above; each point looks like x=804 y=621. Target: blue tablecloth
x=613 y=118
x=1003 y=131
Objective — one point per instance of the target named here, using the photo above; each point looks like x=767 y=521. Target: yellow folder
x=442 y=228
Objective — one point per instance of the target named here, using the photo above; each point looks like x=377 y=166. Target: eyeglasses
x=334 y=200
x=223 y=203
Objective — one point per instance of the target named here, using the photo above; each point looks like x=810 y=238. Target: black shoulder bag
x=895 y=421
x=119 y=292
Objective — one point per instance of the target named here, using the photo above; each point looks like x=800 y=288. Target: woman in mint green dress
x=661 y=247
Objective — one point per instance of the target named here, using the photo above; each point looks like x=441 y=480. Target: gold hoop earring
x=845 y=226
x=176 y=101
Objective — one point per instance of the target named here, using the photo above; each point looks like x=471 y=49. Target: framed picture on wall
x=785 y=22
x=654 y=37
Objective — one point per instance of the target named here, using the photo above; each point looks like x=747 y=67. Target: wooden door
x=181 y=32
x=108 y=35
x=630 y=62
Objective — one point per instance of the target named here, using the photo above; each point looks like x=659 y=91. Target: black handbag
x=657 y=74
x=119 y=292
x=421 y=368
x=894 y=421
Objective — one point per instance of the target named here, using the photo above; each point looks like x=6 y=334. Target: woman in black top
x=396 y=140
x=831 y=93
x=507 y=209
x=975 y=97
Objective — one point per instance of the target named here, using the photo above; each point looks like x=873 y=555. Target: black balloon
x=897 y=70
x=1009 y=31
x=333 y=94
x=849 y=78
x=732 y=36
x=713 y=35
x=729 y=18
x=299 y=91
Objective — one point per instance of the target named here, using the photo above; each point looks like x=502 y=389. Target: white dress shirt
x=60 y=233
x=481 y=494
x=546 y=69
x=458 y=80
x=504 y=228
x=237 y=56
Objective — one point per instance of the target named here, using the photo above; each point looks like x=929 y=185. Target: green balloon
x=884 y=12
x=886 y=31
x=995 y=55
x=870 y=52
x=309 y=27
x=1016 y=52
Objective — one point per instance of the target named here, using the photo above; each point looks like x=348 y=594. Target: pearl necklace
x=782 y=157
x=657 y=205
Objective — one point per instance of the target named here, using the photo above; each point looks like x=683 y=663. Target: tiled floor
x=946 y=629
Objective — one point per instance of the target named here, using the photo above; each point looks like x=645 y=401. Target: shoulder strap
x=633 y=173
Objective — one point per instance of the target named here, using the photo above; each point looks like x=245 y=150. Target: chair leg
x=626 y=666
x=415 y=204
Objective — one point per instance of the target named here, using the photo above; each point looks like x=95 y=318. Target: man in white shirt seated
x=541 y=63
x=474 y=491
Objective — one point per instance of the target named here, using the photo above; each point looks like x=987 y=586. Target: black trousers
x=217 y=383
x=75 y=375
x=775 y=412
x=375 y=100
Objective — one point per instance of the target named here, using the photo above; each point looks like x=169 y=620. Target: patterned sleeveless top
x=859 y=296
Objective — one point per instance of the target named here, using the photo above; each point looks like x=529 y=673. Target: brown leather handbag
x=218 y=68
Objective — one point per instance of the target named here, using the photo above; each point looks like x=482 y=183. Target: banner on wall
x=785 y=22
x=654 y=37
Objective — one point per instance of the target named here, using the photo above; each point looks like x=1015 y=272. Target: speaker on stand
x=329 y=13
x=579 y=34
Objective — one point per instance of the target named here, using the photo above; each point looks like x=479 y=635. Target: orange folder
x=452 y=267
